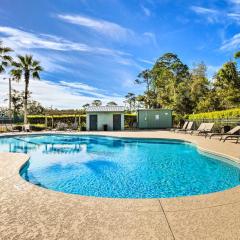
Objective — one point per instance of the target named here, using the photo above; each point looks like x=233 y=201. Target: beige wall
x=105 y=118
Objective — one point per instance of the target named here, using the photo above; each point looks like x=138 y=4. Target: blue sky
x=95 y=49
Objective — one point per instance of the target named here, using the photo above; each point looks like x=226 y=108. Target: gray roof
x=154 y=109
x=106 y=109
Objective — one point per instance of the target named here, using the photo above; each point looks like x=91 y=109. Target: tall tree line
x=171 y=84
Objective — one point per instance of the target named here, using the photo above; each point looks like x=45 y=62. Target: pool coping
x=170 y=207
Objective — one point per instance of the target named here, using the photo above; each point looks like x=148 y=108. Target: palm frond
x=22 y=60
x=4 y=63
x=29 y=60
x=6 y=49
x=2 y=69
x=7 y=58
x=35 y=75
x=38 y=68
x=16 y=73
x=35 y=63
x=26 y=66
x=16 y=64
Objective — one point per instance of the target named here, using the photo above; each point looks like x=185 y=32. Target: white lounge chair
x=26 y=128
x=188 y=128
x=208 y=128
x=180 y=129
x=10 y=128
x=200 y=128
x=230 y=137
x=233 y=131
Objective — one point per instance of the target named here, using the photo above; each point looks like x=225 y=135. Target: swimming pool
x=121 y=167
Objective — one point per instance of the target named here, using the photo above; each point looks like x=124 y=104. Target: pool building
x=154 y=118
x=105 y=118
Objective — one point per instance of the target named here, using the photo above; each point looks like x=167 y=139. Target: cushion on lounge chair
x=234 y=130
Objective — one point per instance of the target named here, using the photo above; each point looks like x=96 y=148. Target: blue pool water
x=121 y=168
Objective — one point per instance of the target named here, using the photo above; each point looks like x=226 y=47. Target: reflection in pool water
x=115 y=167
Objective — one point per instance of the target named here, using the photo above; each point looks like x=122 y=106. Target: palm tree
x=5 y=58
x=26 y=67
x=6 y=61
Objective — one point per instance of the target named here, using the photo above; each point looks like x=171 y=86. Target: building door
x=93 y=122
x=116 y=121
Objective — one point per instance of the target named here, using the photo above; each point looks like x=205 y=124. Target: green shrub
x=177 y=119
x=37 y=127
x=129 y=120
x=231 y=113
x=55 y=119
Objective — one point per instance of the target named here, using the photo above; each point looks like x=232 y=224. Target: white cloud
x=146 y=61
x=203 y=10
x=19 y=39
x=234 y=16
x=50 y=50
x=64 y=95
x=152 y=37
x=212 y=15
x=52 y=61
x=110 y=29
x=235 y=1
x=81 y=88
x=231 y=44
x=146 y=11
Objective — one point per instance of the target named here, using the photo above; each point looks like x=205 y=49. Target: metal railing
x=220 y=121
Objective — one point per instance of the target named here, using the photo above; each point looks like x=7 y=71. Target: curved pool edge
x=225 y=197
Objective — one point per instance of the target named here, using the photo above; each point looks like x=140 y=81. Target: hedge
x=69 y=119
x=35 y=120
x=231 y=113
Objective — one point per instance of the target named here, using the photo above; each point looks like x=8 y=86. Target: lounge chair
x=230 y=137
x=61 y=126
x=74 y=127
x=10 y=128
x=188 y=128
x=183 y=127
x=200 y=128
x=26 y=128
x=231 y=132
x=208 y=128
x=204 y=129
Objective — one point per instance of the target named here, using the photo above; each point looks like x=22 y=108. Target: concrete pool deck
x=30 y=212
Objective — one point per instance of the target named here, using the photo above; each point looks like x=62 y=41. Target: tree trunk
x=25 y=100
x=148 y=88
x=10 y=98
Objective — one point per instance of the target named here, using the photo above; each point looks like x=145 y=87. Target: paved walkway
x=30 y=212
